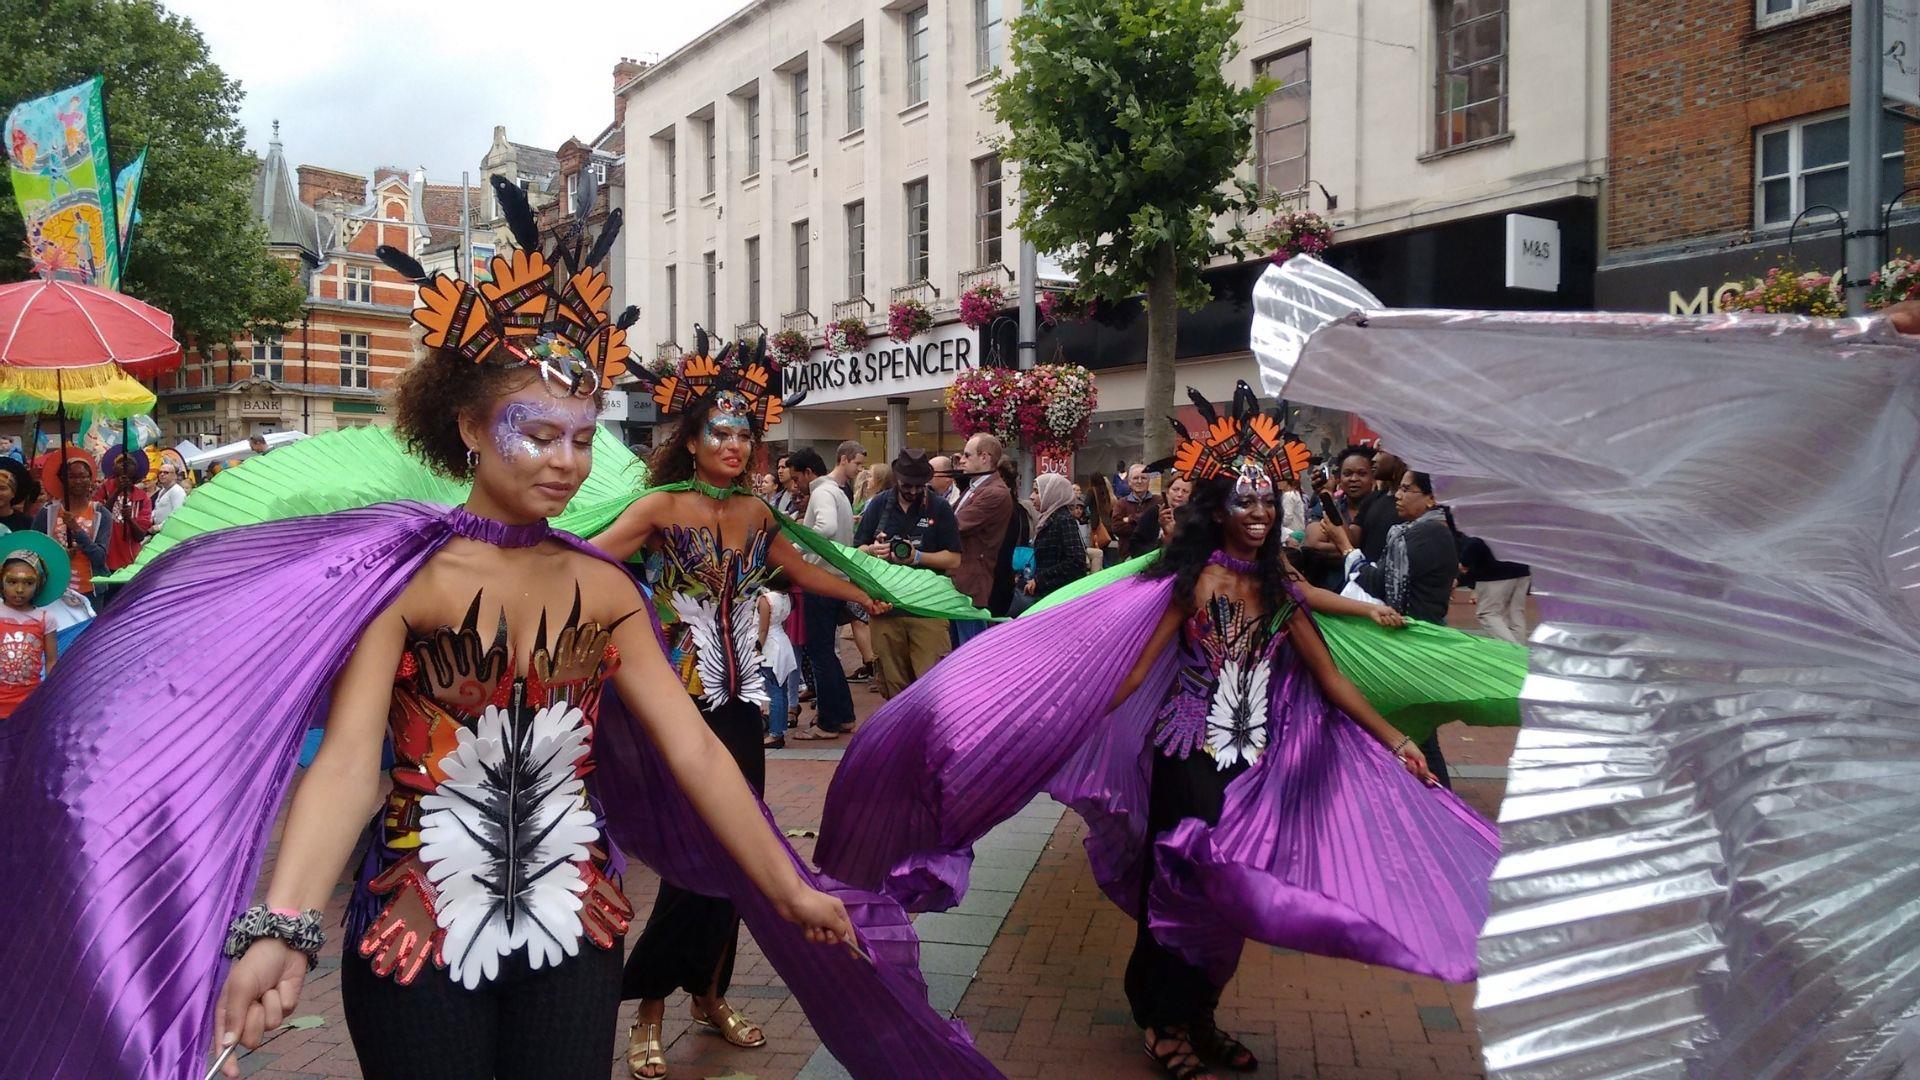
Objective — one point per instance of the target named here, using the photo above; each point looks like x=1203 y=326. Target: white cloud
x=356 y=85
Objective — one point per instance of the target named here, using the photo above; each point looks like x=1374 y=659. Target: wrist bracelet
x=1405 y=741
x=300 y=932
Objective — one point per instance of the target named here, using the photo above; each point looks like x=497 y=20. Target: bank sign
x=886 y=368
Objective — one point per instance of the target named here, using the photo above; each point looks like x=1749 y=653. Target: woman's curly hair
x=434 y=391
x=1197 y=535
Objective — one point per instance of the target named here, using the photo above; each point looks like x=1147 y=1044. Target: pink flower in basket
x=906 y=319
x=979 y=304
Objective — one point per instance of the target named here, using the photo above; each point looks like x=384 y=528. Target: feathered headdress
x=734 y=381
x=1246 y=443
x=534 y=312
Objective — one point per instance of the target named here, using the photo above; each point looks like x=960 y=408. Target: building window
x=356 y=361
x=753 y=135
x=711 y=139
x=802 y=267
x=987 y=35
x=1804 y=163
x=673 y=302
x=710 y=262
x=573 y=188
x=856 y=85
x=1281 y=151
x=1472 y=93
x=599 y=172
x=359 y=284
x=1774 y=12
x=917 y=232
x=799 y=113
x=753 y=279
x=917 y=55
x=670 y=156
x=856 y=250
x=269 y=357
x=987 y=207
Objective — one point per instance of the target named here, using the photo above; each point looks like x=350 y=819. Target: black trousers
x=690 y=940
x=1164 y=990
x=553 y=1024
x=1436 y=761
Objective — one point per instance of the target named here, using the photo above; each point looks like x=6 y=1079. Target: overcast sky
x=357 y=85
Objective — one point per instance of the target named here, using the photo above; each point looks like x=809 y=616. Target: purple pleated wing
x=1327 y=845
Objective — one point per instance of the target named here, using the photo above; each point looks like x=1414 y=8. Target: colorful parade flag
x=126 y=198
x=61 y=179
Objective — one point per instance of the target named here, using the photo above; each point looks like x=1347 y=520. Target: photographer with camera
x=909 y=526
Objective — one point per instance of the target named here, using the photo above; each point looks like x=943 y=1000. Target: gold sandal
x=732 y=1027
x=644 y=1052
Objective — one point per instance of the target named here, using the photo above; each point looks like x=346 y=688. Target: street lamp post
x=1864 y=226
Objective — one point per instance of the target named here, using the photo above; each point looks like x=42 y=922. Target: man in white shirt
x=830 y=514
x=942 y=483
x=167 y=493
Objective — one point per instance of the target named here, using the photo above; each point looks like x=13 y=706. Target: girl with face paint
x=711 y=544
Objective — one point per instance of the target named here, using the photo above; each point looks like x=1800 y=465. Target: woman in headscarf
x=1058 y=555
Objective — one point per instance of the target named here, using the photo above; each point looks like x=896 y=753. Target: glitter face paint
x=526 y=430
x=723 y=429
x=1253 y=487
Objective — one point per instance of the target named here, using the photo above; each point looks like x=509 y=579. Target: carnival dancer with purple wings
x=1235 y=783
x=538 y=734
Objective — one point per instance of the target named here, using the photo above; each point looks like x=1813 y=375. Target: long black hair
x=1197 y=534
x=672 y=462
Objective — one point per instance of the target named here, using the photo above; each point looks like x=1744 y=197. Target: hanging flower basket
x=980 y=304
x=1057 y=306
x=983 y=401
x=788 y=347
x=1297 y=232
x=1054 y=408
x=906 y=319
x=1788 y=291
x=1898 y=279
x=846 y=337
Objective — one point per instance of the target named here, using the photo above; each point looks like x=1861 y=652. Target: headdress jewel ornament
x=1245 y=444
x=531 y=313
x=735 y=381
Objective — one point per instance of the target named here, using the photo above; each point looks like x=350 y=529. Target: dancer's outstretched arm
x=1346 y=697
x=710 y=779
x=1326 y=602
x=331 y=804
x=1163 y=634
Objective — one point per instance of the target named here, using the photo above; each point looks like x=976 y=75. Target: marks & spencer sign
x=886 y=368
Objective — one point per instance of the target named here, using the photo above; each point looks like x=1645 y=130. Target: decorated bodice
x=708 y=597
x=1219 y=701
x=489 y=795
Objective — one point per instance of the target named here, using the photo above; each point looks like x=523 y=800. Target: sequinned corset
x=489 y=825
x=708 y=598
x=1219 y=702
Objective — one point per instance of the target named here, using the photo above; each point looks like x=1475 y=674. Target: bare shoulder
x=605 y=584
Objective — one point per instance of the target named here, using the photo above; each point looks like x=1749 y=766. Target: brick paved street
x=1046 y=1000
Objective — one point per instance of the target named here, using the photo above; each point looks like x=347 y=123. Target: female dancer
x=486 y=917
x=716 y=544
x=1235 y=784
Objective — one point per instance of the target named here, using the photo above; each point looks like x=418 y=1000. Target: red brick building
x=1726 y=122
x=334 y=368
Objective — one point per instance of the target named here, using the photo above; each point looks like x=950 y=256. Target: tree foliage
x=198 y=252
x=1127 y=133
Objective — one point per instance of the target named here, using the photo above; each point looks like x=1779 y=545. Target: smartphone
x=1332 y=511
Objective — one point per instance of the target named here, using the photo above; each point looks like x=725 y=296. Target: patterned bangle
x=1405 y=741
x=300 y=932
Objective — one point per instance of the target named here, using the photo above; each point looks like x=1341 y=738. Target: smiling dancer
x=145 y=775
x=1235 y=784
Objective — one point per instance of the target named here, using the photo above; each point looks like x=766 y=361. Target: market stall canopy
x=105 y=389
x=64 y=324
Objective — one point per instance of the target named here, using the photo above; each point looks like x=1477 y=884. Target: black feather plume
x=608 y=233
x=760 y=351
x=700 y=340
x=1246 y=404
x=1201 y=403
x=627 y=317
x=1179 y=428
x=403 y=264
x=519 y=215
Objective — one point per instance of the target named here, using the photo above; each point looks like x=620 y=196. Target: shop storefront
x=885 y=396
x=1703 y=280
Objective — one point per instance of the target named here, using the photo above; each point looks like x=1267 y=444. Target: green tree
x=198 y=253
x=1127 y=133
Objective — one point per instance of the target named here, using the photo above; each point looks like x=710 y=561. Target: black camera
x=902 y=550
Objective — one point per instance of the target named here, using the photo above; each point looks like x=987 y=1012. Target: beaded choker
x=498 y=533
x=1238 y=566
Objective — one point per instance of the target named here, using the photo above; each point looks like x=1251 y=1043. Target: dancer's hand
x=823 y=917
x=605 y=913
x=1387 y=617
x=876 y=608
x=405 y=936
x=1416 y=763
x=263 y=986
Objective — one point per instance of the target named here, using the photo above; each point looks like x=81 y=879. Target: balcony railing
x=923 y=291
x=857 y=308
x=996 y=274
x=748 y=333
x=667 y=351
x=803 y=321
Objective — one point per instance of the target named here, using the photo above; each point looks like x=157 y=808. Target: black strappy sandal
x=1181 y=1062
x=1221 y=1048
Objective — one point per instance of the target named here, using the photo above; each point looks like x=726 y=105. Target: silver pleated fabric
x=1711 y=865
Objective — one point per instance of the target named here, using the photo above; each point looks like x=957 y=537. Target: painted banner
x=126 y=199
x=58 y=148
